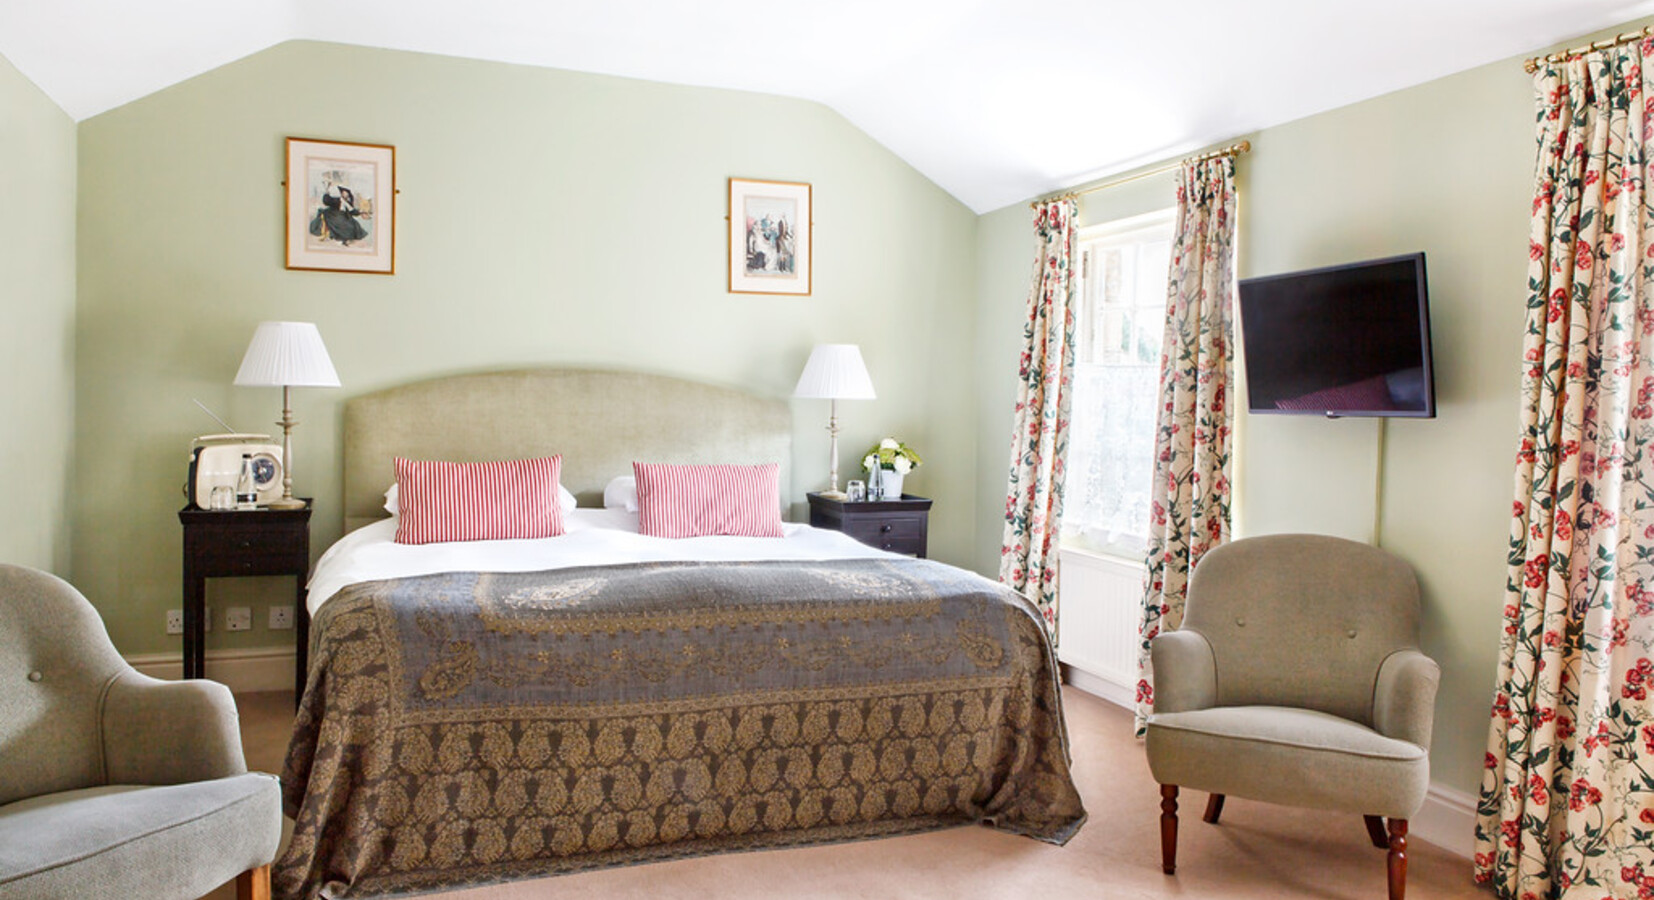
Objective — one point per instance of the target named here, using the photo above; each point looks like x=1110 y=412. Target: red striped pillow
x=477 y=501
x=691 y=501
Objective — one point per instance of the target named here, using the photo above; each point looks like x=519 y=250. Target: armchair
x=1296 y=679
x=113 y=784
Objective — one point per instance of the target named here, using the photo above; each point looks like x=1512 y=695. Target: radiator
x=1100 y=602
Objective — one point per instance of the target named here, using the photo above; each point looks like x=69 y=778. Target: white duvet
x=594 y=537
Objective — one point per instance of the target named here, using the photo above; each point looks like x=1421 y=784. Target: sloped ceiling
x=994 y=100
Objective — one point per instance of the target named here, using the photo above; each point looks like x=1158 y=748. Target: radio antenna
x=214 y=416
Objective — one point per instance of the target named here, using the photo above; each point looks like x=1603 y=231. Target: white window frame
x=1119 y=232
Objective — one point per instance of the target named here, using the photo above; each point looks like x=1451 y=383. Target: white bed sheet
x=593 y=537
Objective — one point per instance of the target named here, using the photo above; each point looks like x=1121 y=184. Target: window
x=1119 y=321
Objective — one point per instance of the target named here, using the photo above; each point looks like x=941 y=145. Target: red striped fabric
x=691 y=501
x=477 y=501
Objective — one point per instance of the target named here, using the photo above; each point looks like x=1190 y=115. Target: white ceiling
x=994 y=100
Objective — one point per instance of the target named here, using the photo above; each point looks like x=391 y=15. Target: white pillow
x=565 y=499
x=621 y=493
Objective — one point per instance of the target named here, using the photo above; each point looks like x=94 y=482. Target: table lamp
x=834 y=372
x=286 y=355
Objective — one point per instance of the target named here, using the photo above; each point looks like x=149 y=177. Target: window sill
x=1107 y=557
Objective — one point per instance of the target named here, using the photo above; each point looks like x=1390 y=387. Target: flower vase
x=891 y=482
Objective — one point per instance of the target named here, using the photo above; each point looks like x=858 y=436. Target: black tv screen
x=1349 y=340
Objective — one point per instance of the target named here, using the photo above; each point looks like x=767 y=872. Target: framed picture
x=769 y=237
x=341 y=206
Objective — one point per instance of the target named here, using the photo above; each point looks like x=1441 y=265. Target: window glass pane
x=1122 y=300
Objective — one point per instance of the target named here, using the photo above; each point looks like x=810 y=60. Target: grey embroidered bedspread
x=468 y=728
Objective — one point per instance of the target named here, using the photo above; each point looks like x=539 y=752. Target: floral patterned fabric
x=1039 y=443
x=1567 y=800
x=1190 y=510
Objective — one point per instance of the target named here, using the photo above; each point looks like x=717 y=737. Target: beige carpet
x=1259 y=851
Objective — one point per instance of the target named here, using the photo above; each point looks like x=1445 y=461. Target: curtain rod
x=1234 y=149
x=1533 y=65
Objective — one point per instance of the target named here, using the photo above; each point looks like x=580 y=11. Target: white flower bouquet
x=893 y=455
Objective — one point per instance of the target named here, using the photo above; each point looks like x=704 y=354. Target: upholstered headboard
x=600 y=421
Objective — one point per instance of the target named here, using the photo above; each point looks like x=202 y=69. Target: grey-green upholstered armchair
x=114 y=784
x=1296 y=678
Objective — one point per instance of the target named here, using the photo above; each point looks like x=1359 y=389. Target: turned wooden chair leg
x=1214 y=808
x=253 y=884
x=1398 y=859
x=1375 y=830
x=1168 y=828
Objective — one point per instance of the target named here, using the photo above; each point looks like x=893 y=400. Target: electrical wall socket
x=175 y=621
x=238 y=618
x=281 y=618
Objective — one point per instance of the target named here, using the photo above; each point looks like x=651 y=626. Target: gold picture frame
x=341 y=206
x=770 y=235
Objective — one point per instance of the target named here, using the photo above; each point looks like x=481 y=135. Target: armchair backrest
x=1302 y=620
x=55 y=662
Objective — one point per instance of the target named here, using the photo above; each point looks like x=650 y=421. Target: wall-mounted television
x=1348 y=340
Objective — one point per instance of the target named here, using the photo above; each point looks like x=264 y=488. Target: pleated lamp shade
x=287 y=354
x=835 y=372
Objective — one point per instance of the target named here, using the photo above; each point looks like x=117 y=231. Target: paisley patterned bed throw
x=468 y=728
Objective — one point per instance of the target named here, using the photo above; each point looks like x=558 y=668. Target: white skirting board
x=243 y=671
x=1448 y=818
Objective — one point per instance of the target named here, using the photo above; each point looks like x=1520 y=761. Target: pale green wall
x=1411 y=171
x=544 y=217
x=1446 y=168
x=37 y=319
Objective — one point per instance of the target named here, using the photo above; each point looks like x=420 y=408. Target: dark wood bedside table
x=900 y=526
x=238 y=543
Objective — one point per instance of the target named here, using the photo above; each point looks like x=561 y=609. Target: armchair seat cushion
x=138 y=841
x=1292 y=756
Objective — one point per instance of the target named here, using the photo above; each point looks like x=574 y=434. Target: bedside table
x=900 y=526
x=239 y=543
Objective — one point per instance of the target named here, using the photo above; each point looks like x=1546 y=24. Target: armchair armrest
x=1185 y=674
x=1404 y=698
x=169 y=732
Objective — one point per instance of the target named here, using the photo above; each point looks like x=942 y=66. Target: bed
x=497 y=710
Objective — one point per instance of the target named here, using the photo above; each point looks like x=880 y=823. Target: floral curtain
x=1567 y=801
x=1190 y=510
x=1039 y=443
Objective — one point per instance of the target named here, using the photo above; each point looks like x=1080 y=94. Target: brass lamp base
x=285 y=503
x=833 y=495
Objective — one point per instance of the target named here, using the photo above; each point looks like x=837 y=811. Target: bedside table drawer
x=248 y=548
x=896 y=533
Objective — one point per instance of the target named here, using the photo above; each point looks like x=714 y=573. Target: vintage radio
x=215 y=459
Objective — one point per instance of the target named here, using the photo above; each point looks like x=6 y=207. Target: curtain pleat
x=1567 y=801
x=1190 y=510
x=1039 y=442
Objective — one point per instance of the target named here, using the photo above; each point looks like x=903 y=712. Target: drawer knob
x=885 y=527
